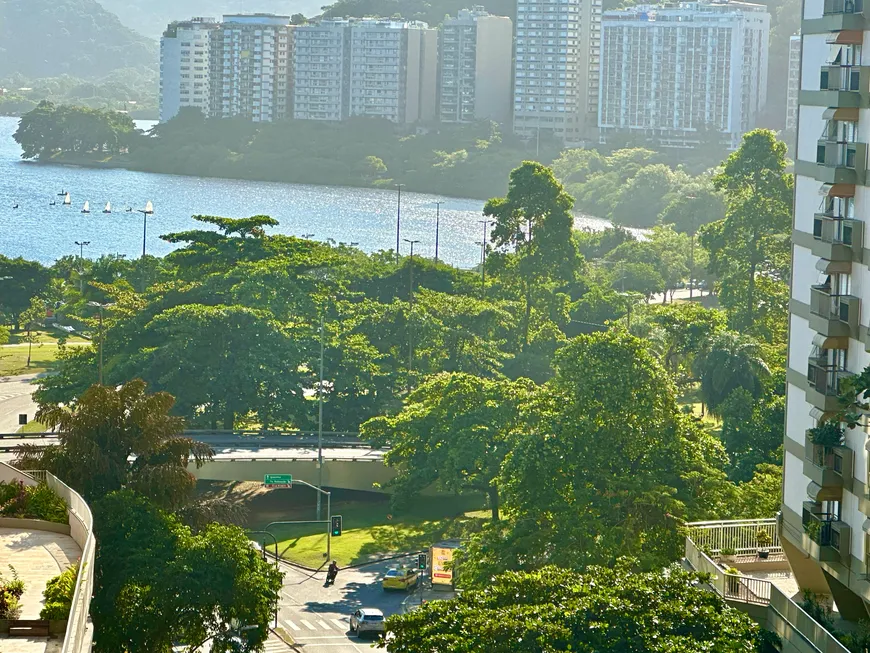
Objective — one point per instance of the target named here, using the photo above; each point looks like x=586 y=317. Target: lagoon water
x=36 y=230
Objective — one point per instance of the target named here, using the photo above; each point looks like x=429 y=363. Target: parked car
x=400 y=579
x=367 y=620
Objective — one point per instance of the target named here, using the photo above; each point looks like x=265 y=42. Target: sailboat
x=67 y=200
x=52 y=202
x=62 y=193
x=108 y=208
x=87 y=207
x=149 y=207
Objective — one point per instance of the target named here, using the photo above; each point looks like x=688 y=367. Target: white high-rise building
x=474 y=72
x=556 y=70
x=794 y=82
x=825 y=513
x=366 y=67
x=184 y=66
x=252 y=67
x=676 y=73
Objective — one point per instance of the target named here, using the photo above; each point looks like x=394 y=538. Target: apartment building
x=251 y=67
x=674 y=74
x=366 y=67
x=825 y=518
x=474 y=69
x=794 y=72
x=184 y=66
x=556 y=69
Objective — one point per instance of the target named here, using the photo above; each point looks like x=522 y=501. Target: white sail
x=67 y=200
x=87 y=207
x=149 y=207
x=108 y=208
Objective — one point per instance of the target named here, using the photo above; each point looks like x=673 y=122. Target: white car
x=367 y=620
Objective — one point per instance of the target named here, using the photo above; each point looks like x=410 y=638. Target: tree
x=645 y=196
x=685 y=329
x=27 y=279
x=752 y=431
x=453 y=433
x=753 y=239
x=31 y=318
x=157 y=583
x=697 y=204
x=727 y=362
x=534 y=221
x=600 y=610
x=113 y=438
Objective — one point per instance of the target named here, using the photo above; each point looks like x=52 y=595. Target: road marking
x=291 y=624
x=340 y=623
x=323 y=625
x=307 y=624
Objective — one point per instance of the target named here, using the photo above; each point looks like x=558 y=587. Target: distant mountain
x=150 y=17
x=49 y=38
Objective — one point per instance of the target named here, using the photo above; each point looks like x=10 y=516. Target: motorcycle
x=331 y=573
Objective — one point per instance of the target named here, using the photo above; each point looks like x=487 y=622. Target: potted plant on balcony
x=762 y=537
x=813 y=529
x=827 y=434
x=727 y=554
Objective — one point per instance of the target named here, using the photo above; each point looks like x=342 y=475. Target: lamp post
x=148 y=210
x=320 y=421
x=411 y=312
x=437 y=225
x=398 y=219
x=82 y=244
x=692 y=229
x=482 y=244
x=101 y=307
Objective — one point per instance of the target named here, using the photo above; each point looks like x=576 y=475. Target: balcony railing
x=819 y=528
x=837 y=230
x=825 y=378
x=843 y=7
x=838 y=313
x=840 y=78
x=740 y=535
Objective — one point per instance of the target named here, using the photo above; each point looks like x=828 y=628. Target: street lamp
x=320 y=421
x=148 y=210
x=482 y=244
x=101 y=307
x=398 y=219
x=692 y=229
x=82 y=244
x=411 y=313
x=437 y=224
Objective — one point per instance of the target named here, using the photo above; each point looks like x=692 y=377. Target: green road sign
x=278 y=480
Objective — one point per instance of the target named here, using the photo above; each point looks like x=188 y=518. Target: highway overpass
x=348 y=463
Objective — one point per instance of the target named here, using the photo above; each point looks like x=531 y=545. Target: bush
x=31 y=502
x=58 y=595
x=10 y=593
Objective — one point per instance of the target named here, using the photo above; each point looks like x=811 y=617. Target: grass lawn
x=32 y=427
x=368 y=532
x=692 y=397
x=42 y=335
x=13 y=360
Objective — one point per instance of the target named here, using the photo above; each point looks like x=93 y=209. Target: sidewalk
x=425 y=594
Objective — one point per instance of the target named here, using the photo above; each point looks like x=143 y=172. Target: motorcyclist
x=332 y=572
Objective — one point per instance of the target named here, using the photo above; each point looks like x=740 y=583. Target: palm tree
x=728 y=361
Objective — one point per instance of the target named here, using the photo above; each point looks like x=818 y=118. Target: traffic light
x=421 y=561
x=336 y=525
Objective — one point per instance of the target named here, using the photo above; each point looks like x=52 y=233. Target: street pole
x=485 y=224
x=411 y=313
x=101 y=345
x=398 y=220
x=437 y=224
x=320 y=421
x=148 y=210
x=328 y=525
x=81 y=245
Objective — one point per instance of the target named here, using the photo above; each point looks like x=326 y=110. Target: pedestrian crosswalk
x=275 y=645
x=315 y=624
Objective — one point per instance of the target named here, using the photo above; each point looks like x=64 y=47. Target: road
x=317 y=617
x=15 y=398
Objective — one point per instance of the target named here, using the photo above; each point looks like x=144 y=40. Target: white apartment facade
x=672 y=73
x=794 y=82
x=185 y=73
x=556 y=69
x=825 y=518
x=252 y=67
x=475 y=67
x=372 y=67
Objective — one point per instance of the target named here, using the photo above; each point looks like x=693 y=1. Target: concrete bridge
x=348 y=463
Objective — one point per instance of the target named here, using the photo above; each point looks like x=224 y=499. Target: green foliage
x=31 y=502
x=64 y=31
x=600 y=609
x=729 y=361
x=58 y=594
x=28 y=279
x=11 y=591
x=827 y=434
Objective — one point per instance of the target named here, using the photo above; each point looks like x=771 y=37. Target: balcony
x=837 y=238
x=841 y=15
x=840 y=86
x=825 y=538
x=828 y=467
x=841 y=162
x=833 y=315
x=823 y=384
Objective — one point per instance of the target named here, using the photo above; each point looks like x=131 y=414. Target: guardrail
x=808 y=628
x=77 y=638
x=740 y=535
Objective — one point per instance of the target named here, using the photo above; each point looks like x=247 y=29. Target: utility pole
x=148 y=210
x=398 y=219
x=437 y=225
x=411 y=313
x=485 y=224
x=691 y=249
x=82 y=244
x=320 y=421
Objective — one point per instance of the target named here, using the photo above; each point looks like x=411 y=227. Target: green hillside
x=50 y=38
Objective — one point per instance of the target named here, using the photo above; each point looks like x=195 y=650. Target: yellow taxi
x=400 y=579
